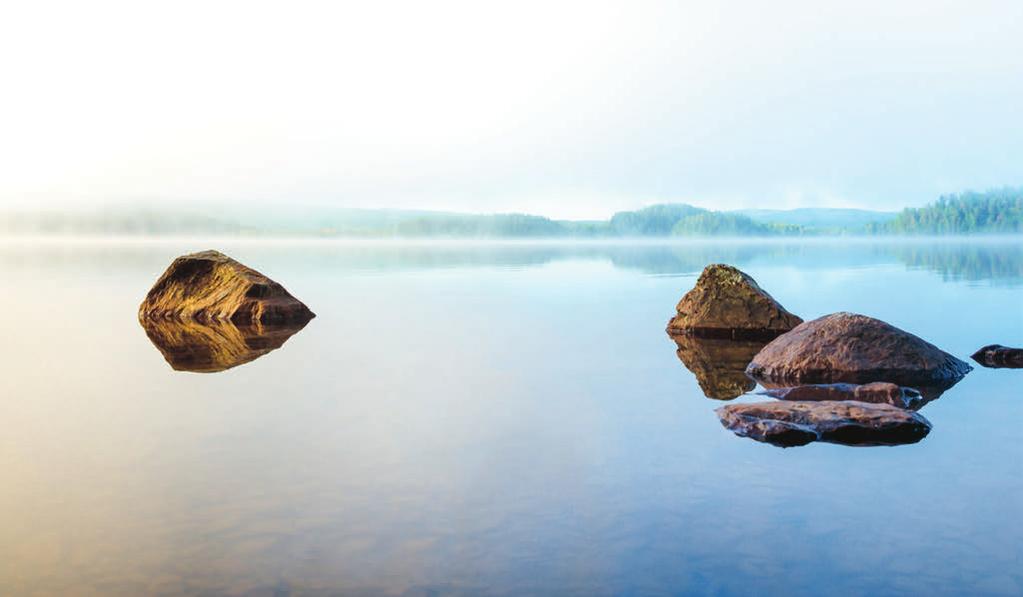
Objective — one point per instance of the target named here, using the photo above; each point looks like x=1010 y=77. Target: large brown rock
x=847 y=422
x=846 y=347
x=878 y=392
x=727 y=303
x=211 y=287
x=211 y=347
x=718 y=364
x=997 y=356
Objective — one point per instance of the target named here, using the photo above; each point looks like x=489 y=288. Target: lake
x=491 y=418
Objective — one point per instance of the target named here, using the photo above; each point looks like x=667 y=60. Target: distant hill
x=819 y=218
x=685 y=220
x=328 y=221
x=991 y=212
x=655 y=220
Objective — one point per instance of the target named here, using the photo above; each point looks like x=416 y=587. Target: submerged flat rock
x=212 y=347
x=996 y=356
x=211 y=287
x=846 y=422
x=718 y=364
x=878 y=392
x=846 y=347
x=727 y=303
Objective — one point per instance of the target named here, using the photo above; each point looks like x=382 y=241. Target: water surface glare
x=492 y=418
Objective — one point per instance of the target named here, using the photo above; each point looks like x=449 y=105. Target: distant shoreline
x=58 y=239
x=996 y=212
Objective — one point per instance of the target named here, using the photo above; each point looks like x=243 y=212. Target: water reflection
x=459 y=464
x=209 y=348
x=962 y=260
x=718 y=364
x=928 y=393
x=999 y=260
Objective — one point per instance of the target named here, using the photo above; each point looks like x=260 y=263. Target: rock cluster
x=843 y=378
x=727 y=303
x=211 y=287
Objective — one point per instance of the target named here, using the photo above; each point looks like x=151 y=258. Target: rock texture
x=845 y=347
x=727 y=303
x=718 y=364
x=846 y=422
x=211 y=347
x=879 y=392
x=211 y=287
x=997 y=356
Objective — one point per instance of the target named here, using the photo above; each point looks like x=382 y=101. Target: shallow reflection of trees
x=1002 y=262
x=998 y=260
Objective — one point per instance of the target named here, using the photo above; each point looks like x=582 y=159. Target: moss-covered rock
x=727 y=303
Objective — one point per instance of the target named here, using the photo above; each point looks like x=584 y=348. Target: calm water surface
x=490 y=419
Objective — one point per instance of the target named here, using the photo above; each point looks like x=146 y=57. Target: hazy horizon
x=232 y=206
x=568 y=110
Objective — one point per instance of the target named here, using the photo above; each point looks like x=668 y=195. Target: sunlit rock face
x=878 y=392
x=211 y=287
x=852 y=423
x=727 y=303
x=212 y=347
x=846 y=347
x=997 y=356
x=718 y=364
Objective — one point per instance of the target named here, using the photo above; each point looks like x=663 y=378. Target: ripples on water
x=490 y=418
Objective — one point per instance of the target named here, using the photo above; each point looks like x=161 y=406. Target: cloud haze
x=566 y=109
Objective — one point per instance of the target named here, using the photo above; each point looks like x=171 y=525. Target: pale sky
x=568 y=109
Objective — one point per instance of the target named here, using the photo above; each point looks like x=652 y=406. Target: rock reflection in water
x=928 y=393
x=718 y=364
x=213 y=347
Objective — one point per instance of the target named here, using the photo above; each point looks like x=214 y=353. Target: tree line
x=993 y=212
x=998 y=211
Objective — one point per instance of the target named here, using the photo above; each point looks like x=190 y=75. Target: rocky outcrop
x=879 y=392
x=848 y=422
x=208 y=348
x=997 y=356
x=211 y=287
x=718 y=364
x=727 y=303
x=845 y=347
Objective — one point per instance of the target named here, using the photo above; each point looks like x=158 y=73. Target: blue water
x=493 y=418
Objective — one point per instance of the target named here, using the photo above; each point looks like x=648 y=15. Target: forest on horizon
x=991 y=212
